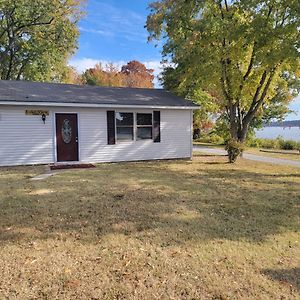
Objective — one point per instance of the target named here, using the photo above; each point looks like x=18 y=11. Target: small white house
x=46 y=123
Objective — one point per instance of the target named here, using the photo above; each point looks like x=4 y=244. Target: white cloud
x=100 y=32
x=85 y=63
x=82 y=64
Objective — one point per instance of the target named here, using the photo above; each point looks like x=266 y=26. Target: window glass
x=124 y=126
x=144 y=119
x=124 y=119
x=124 y=133
x=144 y=133
x=144 y=126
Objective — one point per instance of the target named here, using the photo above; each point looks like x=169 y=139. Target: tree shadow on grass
x=210 y=155
x=289 y=277
x=166 y=203
x=216 y=163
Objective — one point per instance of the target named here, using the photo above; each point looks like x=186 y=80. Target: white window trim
x=116 y=129
x=135 y=126
x=141 y=126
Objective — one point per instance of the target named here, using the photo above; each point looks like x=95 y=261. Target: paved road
x=266 y=159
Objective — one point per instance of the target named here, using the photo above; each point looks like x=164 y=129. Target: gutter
x=90 y=105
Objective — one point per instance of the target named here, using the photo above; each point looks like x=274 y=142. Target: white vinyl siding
x=26 y=140
x=175 y=139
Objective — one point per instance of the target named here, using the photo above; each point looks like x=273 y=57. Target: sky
x=113 y=31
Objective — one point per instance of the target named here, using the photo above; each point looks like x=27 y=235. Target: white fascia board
x=90 y=105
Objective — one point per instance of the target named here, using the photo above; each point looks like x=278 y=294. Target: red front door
x=66 y=137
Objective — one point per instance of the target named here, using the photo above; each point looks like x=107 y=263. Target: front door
x=67 y=137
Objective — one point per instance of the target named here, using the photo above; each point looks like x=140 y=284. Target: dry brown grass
x=154 y=230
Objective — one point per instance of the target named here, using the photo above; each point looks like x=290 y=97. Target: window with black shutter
x=127 y=126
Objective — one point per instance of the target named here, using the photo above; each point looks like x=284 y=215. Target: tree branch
x=257 y=101
x=265 y=90
x=24 y=64
x=226 y=5
x=35 y=24
x=250 y=66
x=221 y=10
x=223 y=85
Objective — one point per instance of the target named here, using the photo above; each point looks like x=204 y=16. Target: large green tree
x=37 y=37
x=243 y=54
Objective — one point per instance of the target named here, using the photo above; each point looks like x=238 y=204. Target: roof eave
x=93 y=105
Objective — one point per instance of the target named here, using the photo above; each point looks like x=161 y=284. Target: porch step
x=71 y=166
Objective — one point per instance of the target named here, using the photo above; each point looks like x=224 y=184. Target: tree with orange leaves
x=137 y=75
x=134 y=75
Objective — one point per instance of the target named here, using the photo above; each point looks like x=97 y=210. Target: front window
x=124 y=122
x=144 y=126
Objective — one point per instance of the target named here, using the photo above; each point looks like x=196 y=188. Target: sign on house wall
x=36 y=112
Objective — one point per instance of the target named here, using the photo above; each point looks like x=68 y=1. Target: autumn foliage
x=134 y=75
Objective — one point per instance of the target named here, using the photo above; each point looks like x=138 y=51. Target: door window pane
x=66 y=131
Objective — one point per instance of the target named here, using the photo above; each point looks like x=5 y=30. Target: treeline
x=134 y=75
x=294 y=123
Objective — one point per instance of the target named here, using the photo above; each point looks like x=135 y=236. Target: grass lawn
x=208 y=145
x=201 y=229
x=286 y=154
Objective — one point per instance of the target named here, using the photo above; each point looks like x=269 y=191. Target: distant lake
x=292 y=133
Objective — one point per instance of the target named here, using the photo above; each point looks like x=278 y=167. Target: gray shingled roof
x=37 y=92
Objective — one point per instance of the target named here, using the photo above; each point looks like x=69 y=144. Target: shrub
x=278 y=143
x=254 y=142
x=211 y=138
x=234 y=149
x=289 y=145
x=270 y=144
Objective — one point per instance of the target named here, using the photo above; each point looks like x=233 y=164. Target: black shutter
x=156 y=126
x=111 y=131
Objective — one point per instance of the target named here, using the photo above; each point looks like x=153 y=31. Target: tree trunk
x=238 y=136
